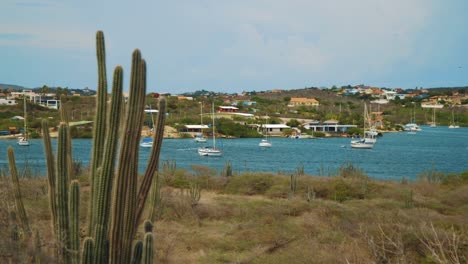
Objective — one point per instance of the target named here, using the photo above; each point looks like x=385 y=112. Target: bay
x=396 y=155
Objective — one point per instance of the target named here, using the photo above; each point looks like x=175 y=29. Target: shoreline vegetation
x=209 y=216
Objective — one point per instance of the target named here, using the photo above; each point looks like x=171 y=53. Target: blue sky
x=231 y=46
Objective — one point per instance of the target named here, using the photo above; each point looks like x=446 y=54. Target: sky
x=241 y=45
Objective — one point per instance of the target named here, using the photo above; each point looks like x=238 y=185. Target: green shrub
x=250 y=184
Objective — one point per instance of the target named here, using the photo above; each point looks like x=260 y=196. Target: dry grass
x=253 y=218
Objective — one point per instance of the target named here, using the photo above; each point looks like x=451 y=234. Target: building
x=297 y=101
x=272 y=129
x=227 y=109
x=7 y=101
x=328 y=126
x=193 y=129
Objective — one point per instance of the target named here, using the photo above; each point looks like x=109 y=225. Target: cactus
x=100 y=122
x=74 y=207
x=148 y=226
x=106 y=175
x=87 y=256
x=50 y=172
x=148 y=249
x=64 y=118
x=125 y=185
x=194 y=194
x=153 y=162
x=310 y=195
x=155 y=201
x=293 y=183
x=61 y=194
x=16 y=188
x=137 y=252
x=227 y=171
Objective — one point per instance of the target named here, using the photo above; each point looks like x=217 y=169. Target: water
x=395 y=155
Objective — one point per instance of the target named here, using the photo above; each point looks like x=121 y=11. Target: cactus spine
x=88 y=251
x=148 y=249
x=74 y=207
x=155 y=201
x=16 y=188
x=137 y=252
x=106 y=175
x=99 y=132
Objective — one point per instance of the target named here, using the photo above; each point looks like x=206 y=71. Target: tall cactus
x=125 y=184
x=50 y=171
x=74 y=207
x=106 y=175
x=61 y=194
x=153 y=162
x=87 y=256
x=100 y=122
x=16 y=188
x=148 y=249
x=137 y=252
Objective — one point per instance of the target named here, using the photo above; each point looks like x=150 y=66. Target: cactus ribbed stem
x=155 y=199
x=50 y=171
x=64 y=117
x=153 y=162
x=88 y=251
x=74 y=207
x=16 y=188
x=125 y=184
x=61 y=184
x=137 y=252
x=99 y=132
x=103 y=196
x=148 y=249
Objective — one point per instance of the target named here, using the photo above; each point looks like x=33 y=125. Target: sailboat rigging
x=264 y=142
x=24 y=140
x=213 y=151
x=368 y=140
x=200 y=138
x=147 y=142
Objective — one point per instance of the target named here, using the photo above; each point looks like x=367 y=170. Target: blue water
x=395 y=155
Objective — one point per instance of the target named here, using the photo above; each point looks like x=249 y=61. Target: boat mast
x=25 y=133
x=214 y=137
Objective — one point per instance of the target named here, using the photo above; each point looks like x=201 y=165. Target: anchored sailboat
x=213 y=151
x=24 y=140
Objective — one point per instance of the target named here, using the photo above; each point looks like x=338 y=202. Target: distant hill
x=12 y=86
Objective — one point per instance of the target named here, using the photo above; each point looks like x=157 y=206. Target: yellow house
x=295 y=101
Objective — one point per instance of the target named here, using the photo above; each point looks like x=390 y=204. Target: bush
x=250 y=184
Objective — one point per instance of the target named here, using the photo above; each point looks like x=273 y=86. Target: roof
x=228 y=107
x=331 y=121
x=196 y=126
x=151 y=111
x=276 y=126
x=17 y=118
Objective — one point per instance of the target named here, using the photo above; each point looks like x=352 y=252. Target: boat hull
x=209 y=152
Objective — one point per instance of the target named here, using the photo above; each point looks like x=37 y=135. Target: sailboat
x=264 y=142
x=200 y=138
x=24 y=140
x=213 y=151
x=369 y=137
x=433 y=124
x=147 y=142
x=412 y=127
x=452 y=124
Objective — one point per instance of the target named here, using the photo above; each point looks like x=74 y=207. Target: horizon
x=242 y=46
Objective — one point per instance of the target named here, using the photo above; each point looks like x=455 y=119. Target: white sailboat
x=369 y=138
x=200 y=138
x=453 y=124
x=264 y=142
x=412 y=127
x=147 y=142
x=433 y=124
x=213 y=151
x=24 y=140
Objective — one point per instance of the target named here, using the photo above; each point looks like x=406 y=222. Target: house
x=272 y=129
x=227 y=109
x=296 y=101
x=193 y=129
x=331 y=126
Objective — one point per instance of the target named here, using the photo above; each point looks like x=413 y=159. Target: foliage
x=229 y=128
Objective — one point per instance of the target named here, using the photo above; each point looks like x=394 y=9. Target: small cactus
x=137 y=252
x=148 y=249
x=87 y=256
